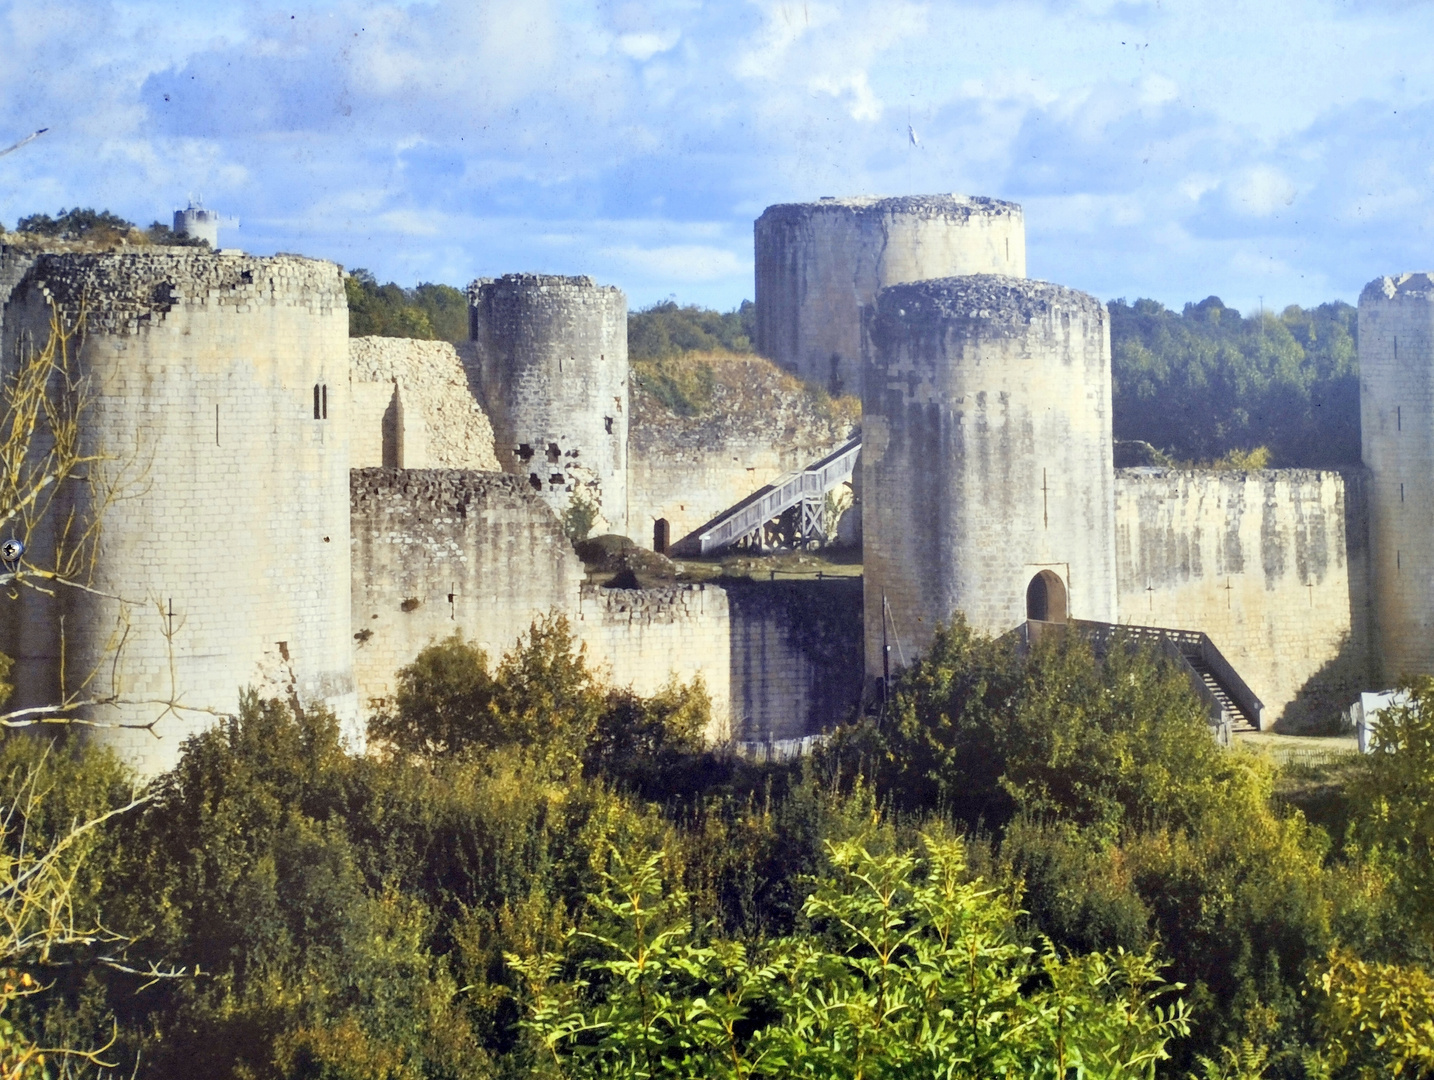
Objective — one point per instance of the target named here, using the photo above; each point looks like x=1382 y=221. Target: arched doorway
x=1046 y=598
x=660 y=533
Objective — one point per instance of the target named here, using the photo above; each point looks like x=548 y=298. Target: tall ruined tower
x=819 y=264
x=987 y=485
x=1396 y=413
x=551 y=372
x=215 y=400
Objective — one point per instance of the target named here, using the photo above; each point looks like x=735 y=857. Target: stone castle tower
x=551 y=371
x=1396 y=389
x=217 y=398
x=819 y=264
x=987 y=484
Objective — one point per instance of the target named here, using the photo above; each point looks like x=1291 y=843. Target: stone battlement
x=445 y=490
x=120 y=292
x=535 y=281
x=990 y=299
x=959 y=206
x=1417 y=284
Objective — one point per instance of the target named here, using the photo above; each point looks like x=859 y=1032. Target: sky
x=1266 y=152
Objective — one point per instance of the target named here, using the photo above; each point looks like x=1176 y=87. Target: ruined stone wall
x=796 y=657
x=1272 y=565
x=986 y=450
x=550 y=367
x=203 y=375
x=759 y=425
x=444 y=551
x=413 y=407
x=1396 y=404
x=643 y=638
x=818 y=264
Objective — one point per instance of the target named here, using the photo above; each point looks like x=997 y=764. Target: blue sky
x=1171 y=149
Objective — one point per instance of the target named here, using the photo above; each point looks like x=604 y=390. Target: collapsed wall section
x=819 y=264
x=444 y=551
x=414 y=409
x=759 y=424
x=211 y=391
x=1272 y=565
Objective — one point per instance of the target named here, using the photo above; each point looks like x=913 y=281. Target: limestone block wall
x=1272 y=565
x=413 y=407
x=986 y=457
x=643 y=638
x=215 y=390
x=1396 y=404
x=818 y=264
x=796 y=657
x=444 y=551
x=550 y=366
x=686 y=470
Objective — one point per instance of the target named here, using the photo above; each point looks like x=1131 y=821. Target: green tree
x=1206 y=381
x=427 y=312
x=1396 y=814
x=911 y=970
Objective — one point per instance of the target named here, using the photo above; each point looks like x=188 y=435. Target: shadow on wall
x=1319 y=706
x=797 y=656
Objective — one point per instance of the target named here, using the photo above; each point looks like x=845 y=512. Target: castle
x=285 y=508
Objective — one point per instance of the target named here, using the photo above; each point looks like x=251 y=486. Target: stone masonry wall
x=1271 y=565
x=643 y=638
x=413 y=407
x=796 y=657
x=444 y=551
x=226 y=542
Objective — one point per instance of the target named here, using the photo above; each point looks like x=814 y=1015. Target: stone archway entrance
x=661 y=536
x=1046 y=598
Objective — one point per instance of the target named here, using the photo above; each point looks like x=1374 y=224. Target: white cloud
x=647 y=45
x=1260 y=191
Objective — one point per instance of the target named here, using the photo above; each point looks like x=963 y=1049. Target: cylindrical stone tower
x=1396 y=414
x=819 y=264
x=196 y=222
x=987 y=485
x=214 y=395
x=551 y=356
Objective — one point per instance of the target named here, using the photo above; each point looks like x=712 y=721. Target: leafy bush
x=909 y=969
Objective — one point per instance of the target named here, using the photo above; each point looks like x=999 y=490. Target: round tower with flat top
x=987 y=486
x=210 y=530
x=1396 y=406
x=819 y=264
x=550 y=366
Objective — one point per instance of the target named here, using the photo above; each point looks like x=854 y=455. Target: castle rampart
x=1272 y=565
x=986 y=449
x=551 y=371
x=444 y=551
x=216 y=391
x=818 y=264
